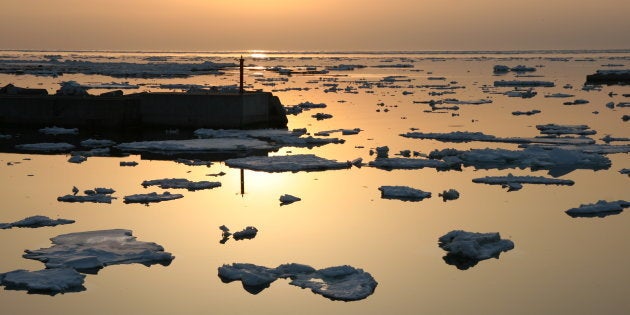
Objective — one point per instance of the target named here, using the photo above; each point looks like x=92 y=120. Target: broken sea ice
x=466 y=249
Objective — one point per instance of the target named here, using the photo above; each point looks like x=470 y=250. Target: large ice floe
x=46 y=147
x=403 y=193
x=514 y=183
x=85 y=252
x=180 y=183
x=344 y=283
x=277 y=137
x=600 y=209
x=35 y=222
x=151 y=197
x=287 y=163
x=466 y=136
x=466 y=249
x=215 y=145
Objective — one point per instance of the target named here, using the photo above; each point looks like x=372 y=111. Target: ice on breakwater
x=343 y=283
x=35 y=221
x=600 y=209
x=466 y=249
x=514 y=183
x=287 y=163
x=83 y=252
x=403 y=193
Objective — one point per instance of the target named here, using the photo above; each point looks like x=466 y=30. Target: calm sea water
x=560 y=265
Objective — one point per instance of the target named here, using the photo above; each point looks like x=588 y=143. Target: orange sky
x=212 y=25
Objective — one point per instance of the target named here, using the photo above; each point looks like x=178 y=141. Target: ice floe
x=288 y=199
x=35 y=222
x=182 y=183
x=519 y=83
x=97 y=143
x=46 y=147
x=152 y=197
x=59 y=131
x=527 y=113
x=514 y=183
x=277 y=137
x=90 y=251
x=287 y=163
x=344 y=283
x=46 y=281
x=555 y=129
x=245 y=234
x=97 y=195
x=222 y=145
x=466 y=136
x=600 y=209
x=466 y=249
x=403 y=193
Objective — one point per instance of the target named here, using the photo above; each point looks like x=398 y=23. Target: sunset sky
x=215 y=25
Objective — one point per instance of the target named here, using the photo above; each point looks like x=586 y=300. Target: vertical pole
x=242 y=182
x=242 y=61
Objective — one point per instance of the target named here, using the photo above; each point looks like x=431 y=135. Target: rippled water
x=560 y=265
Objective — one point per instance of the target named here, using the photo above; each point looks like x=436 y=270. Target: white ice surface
x=197 y=145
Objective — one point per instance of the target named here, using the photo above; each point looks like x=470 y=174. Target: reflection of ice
x=343 y=283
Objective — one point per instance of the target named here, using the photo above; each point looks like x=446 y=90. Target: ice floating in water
x=183 y=183
x=59 y=131
x=450 y=194
x=98 y=195
x=600 y=209
x=466 y=136
x=408 y=163
x=278 y=137
x=466 y=249
x=128 y=163
x=35 y=222
x=514 y=183
x=287 y=163
x=152 y=197
x=554 y=129
x=197 y=146
x=95 y=143
x=403 y=193
x=247 y=233
x=193 y=162
x=46 y=147
x=513 y=83
x=90 y=251
x=322 y=116
x=559 y=95
x=527 y=113
x=466 y=102
x=344 y=283
x=47 y=281
x=288 y=199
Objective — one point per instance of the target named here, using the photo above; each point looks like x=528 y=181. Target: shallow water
x=560 y=265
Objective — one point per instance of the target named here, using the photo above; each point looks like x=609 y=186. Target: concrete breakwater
x=159 y=110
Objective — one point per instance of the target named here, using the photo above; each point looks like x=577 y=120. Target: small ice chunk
x=98 y=195
x=35 y=222
x=46 y=281
x=512 y=83
x=600 y=209
x=288 y=199
x=450 y=194
x=177 y=183
x=95 y=143
x=78 y=159
x=129 y=163
x=193 y=162
x=152 y=197
x=247 y=233
x=403 y=193
x=322 y=116
x=465 y=249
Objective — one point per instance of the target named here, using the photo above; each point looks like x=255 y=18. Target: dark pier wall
x=171 y=110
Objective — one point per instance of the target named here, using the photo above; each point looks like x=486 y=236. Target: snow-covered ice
x=513 y=183
x=465 y=249
x=600 y=209
x=46 y=281
x=287 y=163
x=152 y=197
x=35 y=222
x=180 y=183
x=403 y=193
x=278 y=137
x=344 y=283
x=215 y=145
x=90 y=251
